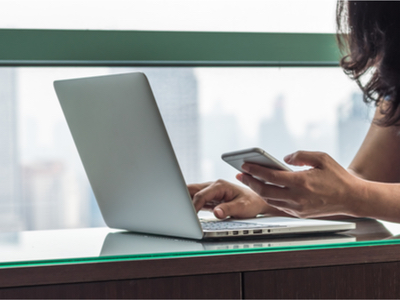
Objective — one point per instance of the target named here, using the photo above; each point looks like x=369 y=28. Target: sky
x=187 y=15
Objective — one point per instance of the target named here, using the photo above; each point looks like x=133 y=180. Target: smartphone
x=253 y=155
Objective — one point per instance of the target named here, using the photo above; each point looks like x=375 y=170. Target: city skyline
x=202 y=121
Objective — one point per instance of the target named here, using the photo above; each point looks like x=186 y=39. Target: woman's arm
x=378 y=158
x=378 y=163
x=371 y=188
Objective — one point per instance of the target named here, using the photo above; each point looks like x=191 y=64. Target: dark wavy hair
x=368 y=34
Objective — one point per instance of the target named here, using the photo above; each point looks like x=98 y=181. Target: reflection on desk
x=126 y=243
x=105 y=244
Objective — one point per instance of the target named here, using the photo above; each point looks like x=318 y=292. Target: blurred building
x=220 y=134
x=353 y=122
x=274 y=136
x=54 y=197
x=43 y=195
x=10 y=199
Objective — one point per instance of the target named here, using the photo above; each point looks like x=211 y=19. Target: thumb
x=227 y=209
x=307 y=158
x=219 y=212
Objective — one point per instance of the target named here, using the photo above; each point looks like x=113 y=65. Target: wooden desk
x=335 y=271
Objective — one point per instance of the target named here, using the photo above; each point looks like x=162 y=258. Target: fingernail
x=239 y=177
x=287 y=157
x=218 y=212
x=242 y=178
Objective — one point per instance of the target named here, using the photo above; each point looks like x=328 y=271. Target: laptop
x=132 y=168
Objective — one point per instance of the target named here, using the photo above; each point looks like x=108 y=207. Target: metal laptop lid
x=127 y=154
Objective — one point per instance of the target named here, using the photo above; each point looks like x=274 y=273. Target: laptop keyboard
x=232 y=225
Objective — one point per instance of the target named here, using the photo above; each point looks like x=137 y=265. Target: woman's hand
x=229 y=200
x=324 y=190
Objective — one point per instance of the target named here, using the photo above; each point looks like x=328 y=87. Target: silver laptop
x=131 y=165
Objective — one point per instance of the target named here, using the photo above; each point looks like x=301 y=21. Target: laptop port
x=257 y=231
x=222 y=233
x=235 y=232
x=245 y=232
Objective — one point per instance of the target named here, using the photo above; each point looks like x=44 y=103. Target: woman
x=371 y=185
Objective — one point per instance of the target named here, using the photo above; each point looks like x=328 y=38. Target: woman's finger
x=307 y=158
x=269 y=191
x=277 y=177
x=195 y=187
x=218 y=190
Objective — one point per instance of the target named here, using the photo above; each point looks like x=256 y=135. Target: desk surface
x=103 y=244
x=100 y=262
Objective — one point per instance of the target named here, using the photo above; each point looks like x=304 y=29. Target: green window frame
x=40 y=47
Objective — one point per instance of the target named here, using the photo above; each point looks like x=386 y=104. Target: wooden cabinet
x=373 y=281
x=213 y=286
x=357 y=270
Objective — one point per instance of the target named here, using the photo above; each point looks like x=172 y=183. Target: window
x=217 y=92
x=207 y=111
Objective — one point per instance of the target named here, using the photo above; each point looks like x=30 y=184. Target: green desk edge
x=40 y=47
x=146 y=256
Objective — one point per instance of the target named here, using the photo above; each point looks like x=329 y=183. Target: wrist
x=356 y=203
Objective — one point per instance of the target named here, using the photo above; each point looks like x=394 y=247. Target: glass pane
x=207 y=111
x=103 y=244
x=171 y=15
